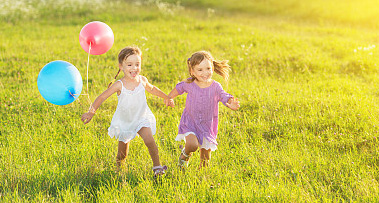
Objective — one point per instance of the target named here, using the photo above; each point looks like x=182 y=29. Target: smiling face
x=203 y=72
x=131 y=66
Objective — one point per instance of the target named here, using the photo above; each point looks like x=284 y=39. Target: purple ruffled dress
x=200 y=115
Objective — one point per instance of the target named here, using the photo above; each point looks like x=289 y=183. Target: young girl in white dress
x=132 y=115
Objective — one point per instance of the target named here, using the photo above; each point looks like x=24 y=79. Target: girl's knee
x=191 y=143
x=191 y=146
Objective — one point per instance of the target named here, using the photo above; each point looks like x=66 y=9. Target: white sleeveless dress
x=131 y=115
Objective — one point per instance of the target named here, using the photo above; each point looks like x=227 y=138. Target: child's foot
x=183 y=159
x=159 y=170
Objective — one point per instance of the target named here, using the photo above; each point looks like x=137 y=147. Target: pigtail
x=114 y=78
x=222 y=68
x=192 y=78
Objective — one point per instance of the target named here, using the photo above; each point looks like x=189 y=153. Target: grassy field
x=306 y=76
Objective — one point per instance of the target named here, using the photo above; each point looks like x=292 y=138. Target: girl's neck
x=132 y=80
x=203 y=84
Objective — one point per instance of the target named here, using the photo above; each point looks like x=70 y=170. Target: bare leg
x=149 y=141
x=123 y=150
x=205 y=156
x=191 y=146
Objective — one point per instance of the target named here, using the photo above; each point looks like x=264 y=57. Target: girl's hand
x=169 y=102
x=86 y=118
x=233 y=104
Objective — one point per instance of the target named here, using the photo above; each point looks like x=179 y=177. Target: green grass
x=306 y=130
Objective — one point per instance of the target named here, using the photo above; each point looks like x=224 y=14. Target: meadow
x=306 y=76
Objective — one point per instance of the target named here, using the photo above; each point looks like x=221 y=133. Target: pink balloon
x=99 y=35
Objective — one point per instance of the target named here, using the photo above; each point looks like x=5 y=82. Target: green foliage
x=305 y=132
x=349 y=12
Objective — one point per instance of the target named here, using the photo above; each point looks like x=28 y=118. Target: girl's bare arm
x=86 y=117
x=157 y=92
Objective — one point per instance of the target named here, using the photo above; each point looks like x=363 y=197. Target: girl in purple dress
x=199 y=122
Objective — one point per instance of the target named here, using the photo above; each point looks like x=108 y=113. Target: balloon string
x=89 y=51
x=73 y=95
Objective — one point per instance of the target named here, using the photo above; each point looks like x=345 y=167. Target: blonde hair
x=123 y=55
x=220 y=67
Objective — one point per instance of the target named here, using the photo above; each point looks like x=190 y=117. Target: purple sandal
x=159 y=170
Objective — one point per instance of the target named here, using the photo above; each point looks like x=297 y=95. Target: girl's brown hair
x=123 y=55
x=220 y=67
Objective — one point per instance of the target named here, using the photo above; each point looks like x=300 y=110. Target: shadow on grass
x=52 y=185
x=277 y=131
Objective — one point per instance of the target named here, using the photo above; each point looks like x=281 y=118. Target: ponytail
x=222 y=68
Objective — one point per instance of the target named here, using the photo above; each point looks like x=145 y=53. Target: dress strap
x=121 y=83
x=140 y=81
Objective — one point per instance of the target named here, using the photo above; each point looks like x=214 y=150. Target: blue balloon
x=59 y=82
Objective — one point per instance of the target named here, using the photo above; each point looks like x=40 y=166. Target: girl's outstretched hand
x=86 y=118
x=169 y=102
x=233 y=103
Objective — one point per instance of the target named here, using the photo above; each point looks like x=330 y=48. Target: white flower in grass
x=368 y=48
x=210 y=12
